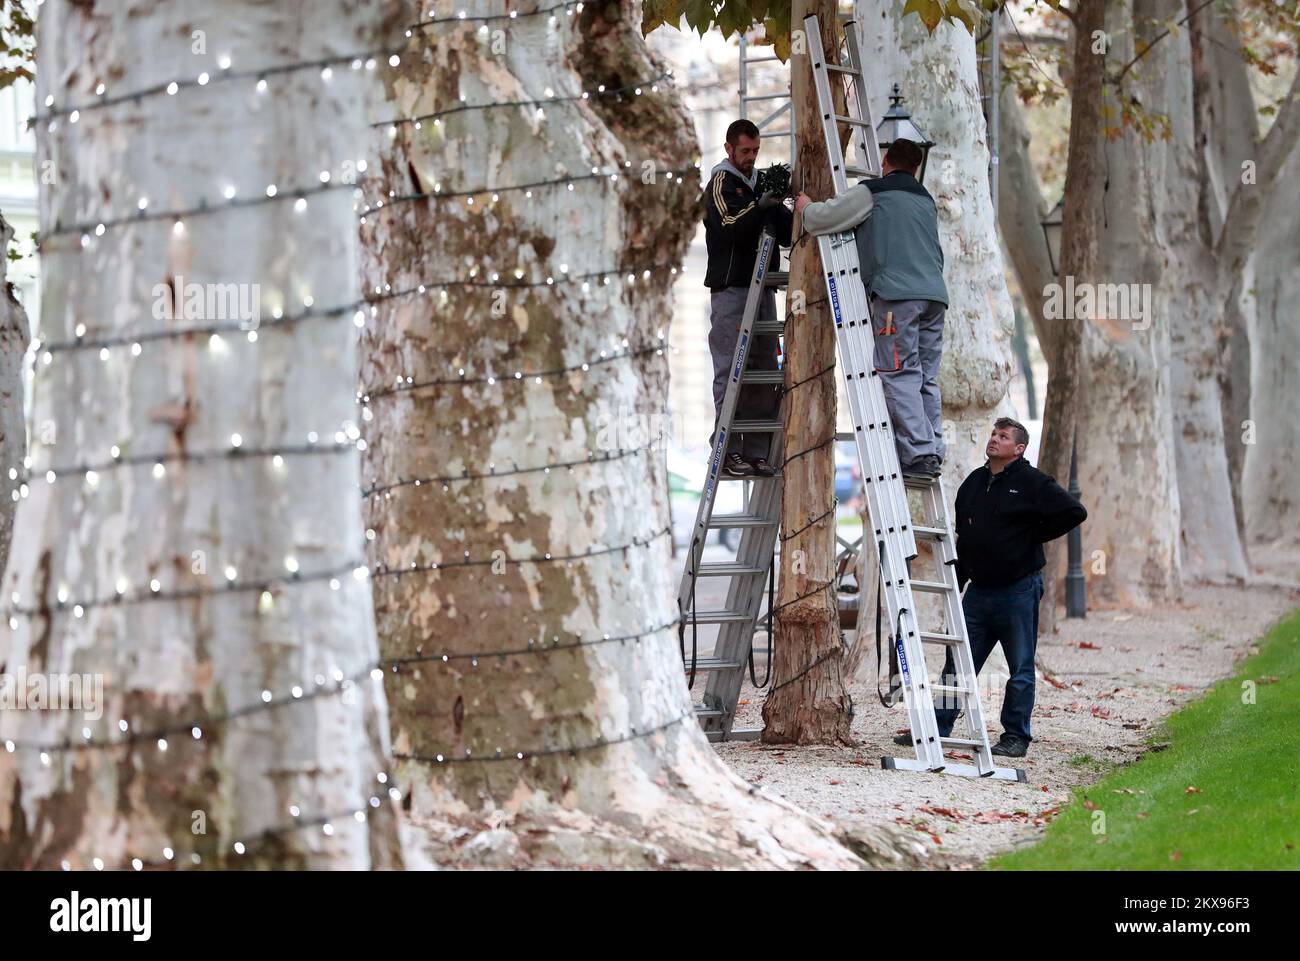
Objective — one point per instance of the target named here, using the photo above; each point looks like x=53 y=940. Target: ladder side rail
x=869 y=148
x=861 y=340
x=825 y=104
x=722 y=689
x=963 y=657
x=722 y=435
x=882 y=505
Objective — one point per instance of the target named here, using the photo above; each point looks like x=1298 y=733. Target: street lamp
x=1076 y=585
x=1051 y=225
x=898 y=125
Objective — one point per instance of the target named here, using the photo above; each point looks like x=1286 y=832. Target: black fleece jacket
x=732 y=225
x=1004 y=519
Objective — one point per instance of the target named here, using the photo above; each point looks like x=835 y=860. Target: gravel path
x=1112 y=677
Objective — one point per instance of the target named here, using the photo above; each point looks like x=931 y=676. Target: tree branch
x=1155 y=40
x=1244 y=209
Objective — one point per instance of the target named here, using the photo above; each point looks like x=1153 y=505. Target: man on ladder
x=734 y=217
x=896 y=226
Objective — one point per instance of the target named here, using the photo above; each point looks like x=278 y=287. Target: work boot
x=904 y=740
x=762 y=468
x=927 y=465
x=737 y=466
x=1011 y=745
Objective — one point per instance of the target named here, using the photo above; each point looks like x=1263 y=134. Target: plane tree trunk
x=183 y=761
x=808 y=702
x=553 y=597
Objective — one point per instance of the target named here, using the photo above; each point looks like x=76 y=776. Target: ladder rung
x=763 y=377
x=930 y=533
x=725 y=568
x=919 y=483
x=856 y=121
x=766 y=96
x=777 y=278
x=933 y=637
x=757 y=426
x=749 y=477
x=960 y=742
x=739 y=520
x=719 y=617
x=949 y=689
x=701 y=711
x=768 y=327
x=851 y=71
x=712 y=664
x=859 y=172
x=930 y=587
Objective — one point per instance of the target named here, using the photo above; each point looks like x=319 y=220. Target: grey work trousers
x=909 y=346
x=756 y=401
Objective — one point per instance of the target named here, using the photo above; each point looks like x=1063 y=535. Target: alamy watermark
x=208 y=302
x=1071 y=301
x=21 y=691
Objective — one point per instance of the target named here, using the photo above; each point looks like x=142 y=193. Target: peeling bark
x=808 y=702
x=13 y=428
x=163 y=661
x=630 y=780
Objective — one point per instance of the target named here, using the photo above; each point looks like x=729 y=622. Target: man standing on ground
x=1006 y=511
x=734 y=218
x=897 y=233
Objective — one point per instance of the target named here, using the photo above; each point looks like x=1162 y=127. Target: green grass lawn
x=1224 y=794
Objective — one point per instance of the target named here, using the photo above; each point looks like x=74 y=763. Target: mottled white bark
x=1271 y=475
x=641 y=786
x=167 y=662
x=14 y=338
x=937 y=74
x=1127 y=441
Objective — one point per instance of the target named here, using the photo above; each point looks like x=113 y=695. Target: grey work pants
x=756 y=401
x=909 y=346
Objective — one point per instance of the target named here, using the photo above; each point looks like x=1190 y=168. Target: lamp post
x=1076 y=587
x=897 y=124
x=1051 y=225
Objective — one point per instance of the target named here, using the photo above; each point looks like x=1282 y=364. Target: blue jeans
x=1006 y=615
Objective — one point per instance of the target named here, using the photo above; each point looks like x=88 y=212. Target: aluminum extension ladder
x=885 y=486
x=758 y=522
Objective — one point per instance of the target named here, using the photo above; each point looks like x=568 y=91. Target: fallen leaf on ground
x=1101 y=712
x=1192 y=790
x=1175 y=855
x=1089 y=646
x=942 y=812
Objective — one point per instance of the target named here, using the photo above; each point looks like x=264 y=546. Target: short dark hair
x=1017 y=428
x=741 y=128
x=904 y=154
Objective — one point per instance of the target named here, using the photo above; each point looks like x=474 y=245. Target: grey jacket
x=896 y=225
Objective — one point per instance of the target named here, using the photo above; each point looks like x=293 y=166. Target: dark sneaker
x=737 y=466
x=1010 y=745
x=925 y=466
x=904 y=740
x=762 y=468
